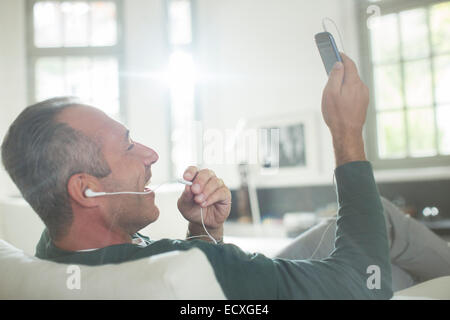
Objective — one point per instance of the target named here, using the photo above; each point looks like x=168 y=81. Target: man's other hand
x=344 y=107
x=212 y=195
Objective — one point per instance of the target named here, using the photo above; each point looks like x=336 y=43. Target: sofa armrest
x=438 y=288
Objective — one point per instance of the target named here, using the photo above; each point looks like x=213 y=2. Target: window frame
x=116 y=51
x=367 y=71
x=191 y=48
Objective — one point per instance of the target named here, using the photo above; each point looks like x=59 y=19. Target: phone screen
x=328 y=50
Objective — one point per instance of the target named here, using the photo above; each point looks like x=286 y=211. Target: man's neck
x=91 y=237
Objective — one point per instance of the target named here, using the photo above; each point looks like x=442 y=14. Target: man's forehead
x=92 y=122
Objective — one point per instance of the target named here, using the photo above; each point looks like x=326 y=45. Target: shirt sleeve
x=361 y=246
x=361 y=251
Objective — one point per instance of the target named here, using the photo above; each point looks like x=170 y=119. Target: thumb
x=336 y=77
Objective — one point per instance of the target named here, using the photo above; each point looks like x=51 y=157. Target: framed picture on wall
x=288 y=149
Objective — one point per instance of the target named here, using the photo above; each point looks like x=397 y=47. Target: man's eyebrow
x=127 y=136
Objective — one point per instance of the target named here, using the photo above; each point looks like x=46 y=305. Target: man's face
x=130 y=164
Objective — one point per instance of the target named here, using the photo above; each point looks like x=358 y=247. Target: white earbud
x=91 y=194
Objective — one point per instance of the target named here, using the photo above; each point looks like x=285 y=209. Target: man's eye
x=131 y=147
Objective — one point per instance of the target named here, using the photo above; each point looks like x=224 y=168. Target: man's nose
x=150 y=156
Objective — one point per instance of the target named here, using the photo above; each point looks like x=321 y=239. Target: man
x=56 y=150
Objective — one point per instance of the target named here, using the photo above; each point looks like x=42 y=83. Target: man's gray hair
x=41 y=154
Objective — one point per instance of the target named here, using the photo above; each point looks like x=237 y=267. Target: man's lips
x=147 y=179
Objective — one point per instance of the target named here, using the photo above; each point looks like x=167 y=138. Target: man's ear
x=77 y=186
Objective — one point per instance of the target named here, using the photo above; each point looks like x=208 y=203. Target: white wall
x=145 y=91
x=259 y=60
x=13 y=86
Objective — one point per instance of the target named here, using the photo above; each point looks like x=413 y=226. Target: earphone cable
x=337 y=29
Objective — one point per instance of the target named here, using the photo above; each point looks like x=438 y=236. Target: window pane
x=49 y=78
x=75 y=24
x=385 y=39
x=388 y=87
x=443 y=116
x=414 y=30
x=76 y=15
x=105 y=84
x=77 y=77
x=104 y=25
x=418 y=84
x=47 y=24
x=440 y=27
x=95 y=81
x=442 y=81
x=421 y=132
x=391 y=135
x=180 y=22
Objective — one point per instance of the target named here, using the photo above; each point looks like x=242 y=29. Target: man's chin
x=155 y=214
x=148 y=218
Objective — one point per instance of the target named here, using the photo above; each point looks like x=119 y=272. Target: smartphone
x=328 y=50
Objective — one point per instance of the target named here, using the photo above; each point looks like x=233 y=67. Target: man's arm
x=344 y=107
x=361 y=244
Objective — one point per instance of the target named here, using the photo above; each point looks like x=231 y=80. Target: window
x=407 y=58
x=74 y=49
x=181 y=76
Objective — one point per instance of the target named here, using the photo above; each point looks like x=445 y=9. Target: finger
x=201 y=179
x=351 y=71
x=336 y=78
x=211 y=186
x=190 y=173
x=187 y=194
x=220 y=196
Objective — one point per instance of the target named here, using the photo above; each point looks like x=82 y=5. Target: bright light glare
x=78 y=8
x=181 y=69
x=181 y=78
x=180 y=22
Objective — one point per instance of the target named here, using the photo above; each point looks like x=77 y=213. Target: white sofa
x=177 y=275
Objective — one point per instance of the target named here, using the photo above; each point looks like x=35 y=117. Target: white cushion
x=438 y=288
x=173 y=275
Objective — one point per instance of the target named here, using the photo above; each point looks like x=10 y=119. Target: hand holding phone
x=344 y=107
x=328 y=50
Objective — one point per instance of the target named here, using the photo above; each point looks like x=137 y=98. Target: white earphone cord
x=337 y=29
x=148 y=192
x=323 y=235
x=204 y=228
